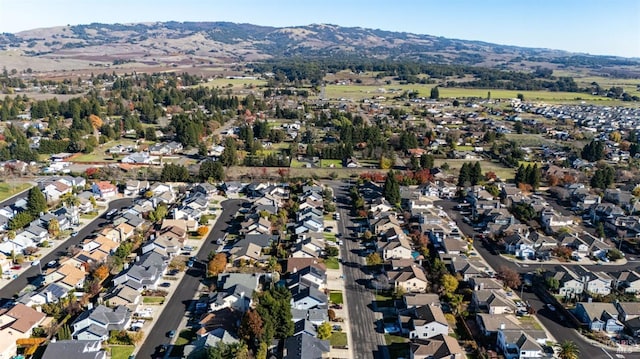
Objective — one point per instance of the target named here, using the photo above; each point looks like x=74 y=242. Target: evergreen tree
x=391 y=189
x=465 y=175
x=36 y=202
x=520 y=175
x=435 y=93
x=426 y=161
x=475 y=173
x=534 y=176
x=229 y=156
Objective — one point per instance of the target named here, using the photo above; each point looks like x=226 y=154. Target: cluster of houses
x=121 y=302
x=420 y=317
x=305 y=275
x=610 y=318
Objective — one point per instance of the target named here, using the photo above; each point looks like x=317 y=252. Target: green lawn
x=153 y=300
x=505 y=173
x=235 y=84
x=331 y=163
x=121 y=351
x=336 y=297
x=393 y=339
x=331 y=237
x=9 y=189
x=332 y=263
x=90 y=215
x=338 y=339
x=185 y=337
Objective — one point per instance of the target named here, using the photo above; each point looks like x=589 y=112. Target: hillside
x=209 y=43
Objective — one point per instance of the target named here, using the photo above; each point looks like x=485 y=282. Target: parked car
x=52 y=264
x=551 y=307
x=337 y=328
x=171 y=333
x=190 y=264
x=165 y=284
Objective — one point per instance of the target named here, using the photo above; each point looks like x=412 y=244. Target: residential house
x=123 y=295
x=307 y=297
x=17 y=323
x=438 y=347
x=304 y=346
x=104 y=190
x=399 y=248
x=135 y=187
x=423 y=322
x=308 y=276
x=628 y=280
x=146 y=272
x=96 y=323
x=599 y=316
x=517 y=344
x=76 y=349
x=411 y=279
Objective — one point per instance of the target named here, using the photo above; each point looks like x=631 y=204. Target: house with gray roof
x=96 y=323
x=599 y=316
x=146 y=272
x=76 y=349
x=303 y=297
x=304 y=346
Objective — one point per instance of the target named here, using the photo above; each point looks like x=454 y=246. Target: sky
x=600 y=27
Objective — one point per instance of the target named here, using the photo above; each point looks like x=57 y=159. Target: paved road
x=17 y=284
x=561 y=330
x=366 y=340
x=182 y=298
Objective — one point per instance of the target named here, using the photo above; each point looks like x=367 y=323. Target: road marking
x=606 y=352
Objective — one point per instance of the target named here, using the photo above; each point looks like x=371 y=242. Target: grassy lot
x=336 y=297
x=297 y=164
x=153 y=300
x=332 y=263
x=236 y=84
x=358 y=92
x=500 y=170
x=329 y=237
x=530 y=140
x=393 y=339
x=338 y=339
x=9 y=189
x=121 y=351
x=330 y=163
x=90 y=215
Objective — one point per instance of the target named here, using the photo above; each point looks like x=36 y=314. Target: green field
x=10 y=189
x=235 y=84
x=331 y=163
x=121 y=351
x=501 y=171
x=358 y=92
x=336 y=297
x=332 y=263
x=338 y=339
x=153 y=300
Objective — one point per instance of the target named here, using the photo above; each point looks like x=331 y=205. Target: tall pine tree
x=391 y=189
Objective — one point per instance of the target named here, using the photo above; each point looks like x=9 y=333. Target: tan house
x=68 y=274
x=126 y=230
x=438 y=347
x=17 y=323
x=411 y=279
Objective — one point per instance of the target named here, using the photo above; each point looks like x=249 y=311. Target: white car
x=551 y=307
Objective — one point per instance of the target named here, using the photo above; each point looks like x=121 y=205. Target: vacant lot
x=358 y=92
x=505 y=173
x=9 y=189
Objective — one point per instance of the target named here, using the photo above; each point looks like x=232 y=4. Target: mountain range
x=223 y=42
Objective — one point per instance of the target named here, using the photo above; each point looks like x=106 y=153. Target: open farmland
x=358 y=92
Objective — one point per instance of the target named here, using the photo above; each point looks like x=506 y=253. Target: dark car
x=171 y=333
x=165 y=284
